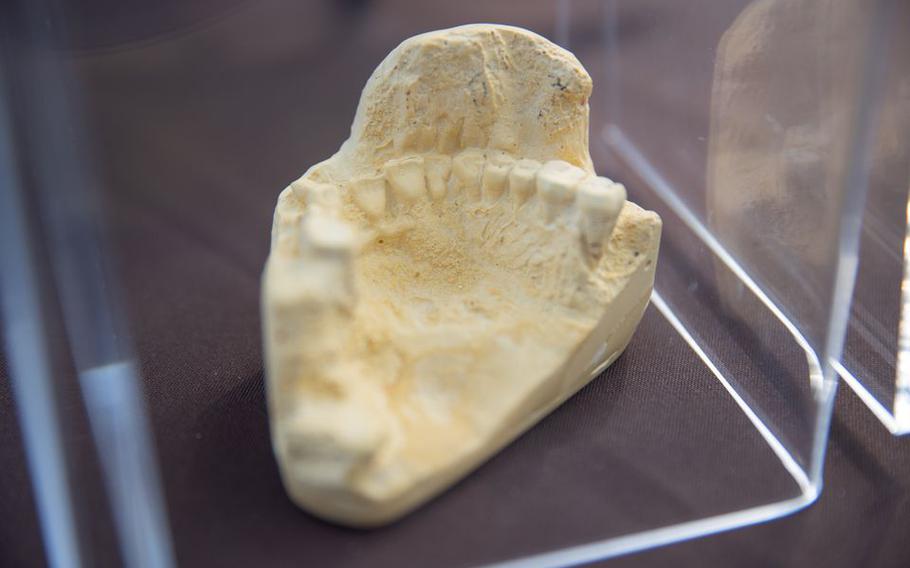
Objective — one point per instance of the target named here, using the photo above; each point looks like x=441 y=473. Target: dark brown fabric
x=195 y=133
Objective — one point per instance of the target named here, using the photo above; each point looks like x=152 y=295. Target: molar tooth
x=468 y=167
x=313 y=297
x=556 y=183
x=326 y=237
x=522 y=180
x=495 y=174
x=406 y=178
x=438 y=169
x=368 y=193
x=600 y=201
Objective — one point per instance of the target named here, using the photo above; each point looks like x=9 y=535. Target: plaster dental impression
x=451 y=275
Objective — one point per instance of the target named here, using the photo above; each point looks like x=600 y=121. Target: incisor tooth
x=495 y=174
x=368 y=193
x=600 y=201
x=318 y=194
x=467 y=168
x=522 y=180
x=556 y=183
x=406 y=179
x=438 y=169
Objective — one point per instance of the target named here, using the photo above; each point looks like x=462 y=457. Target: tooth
x=317 y=194
x=327 y=247
x=556 y=183
x=406 y=178
x=325 y=237
x=522 y=180
x=312 y=298
x=600 y=201
x=438 y=169
x=495 y=174
x=468 y=167
x=368 y=193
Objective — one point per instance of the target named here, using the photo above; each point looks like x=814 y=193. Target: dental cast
x=450 y=276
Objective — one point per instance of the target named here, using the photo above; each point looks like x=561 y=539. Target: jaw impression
x=450 y=276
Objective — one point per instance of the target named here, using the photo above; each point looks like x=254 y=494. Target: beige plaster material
x=447 y=278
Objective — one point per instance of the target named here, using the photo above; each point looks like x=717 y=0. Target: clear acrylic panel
x=875 y=359
x=741 y=123
x=747 y=126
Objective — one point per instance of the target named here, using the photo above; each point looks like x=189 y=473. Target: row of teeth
x=482 y=178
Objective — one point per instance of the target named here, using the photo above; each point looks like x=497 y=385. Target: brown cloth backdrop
x=201 y=113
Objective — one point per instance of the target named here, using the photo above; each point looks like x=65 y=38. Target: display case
x=874 y=363
x=144 y=152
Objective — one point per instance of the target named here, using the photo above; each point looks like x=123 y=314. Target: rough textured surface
x=446 y=279
x=185 y=128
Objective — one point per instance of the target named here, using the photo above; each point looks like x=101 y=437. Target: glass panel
x=747 y=134
x=738 y=122
x=875 y=360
